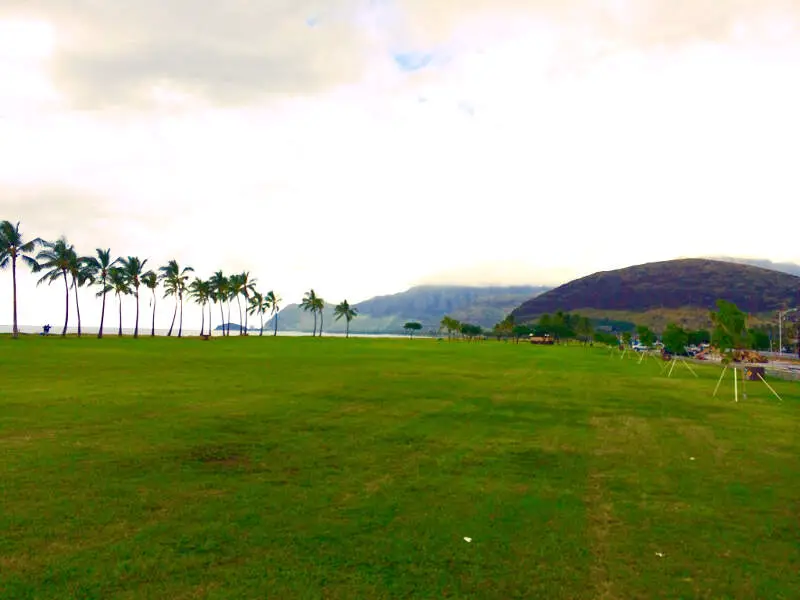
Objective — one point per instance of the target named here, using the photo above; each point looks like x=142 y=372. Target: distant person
x=46 y=330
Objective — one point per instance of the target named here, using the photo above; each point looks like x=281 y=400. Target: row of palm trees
x=125 y=276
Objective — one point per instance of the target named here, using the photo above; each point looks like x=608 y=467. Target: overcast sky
x=362 y=146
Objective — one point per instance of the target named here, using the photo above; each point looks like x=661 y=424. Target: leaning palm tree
x=234 y=291
x=248 y=288
x=273 y=303
x=56 y=259
x=82 y=274
x=175 y=280
x=119 y=284
x=319 y=305
x=219 y=293
x=12 y=248
x=200 y=290
x=98 y=266
x=150 y=279
x=133 y=268
x=309 y=304
x=258 y=306
x=343 y=309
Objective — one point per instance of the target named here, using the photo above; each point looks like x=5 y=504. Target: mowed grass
x=332 y=468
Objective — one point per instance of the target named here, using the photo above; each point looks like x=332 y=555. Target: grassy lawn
x=331 y=468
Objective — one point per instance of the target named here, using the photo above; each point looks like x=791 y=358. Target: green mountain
x=426 y=304
x=682 y=290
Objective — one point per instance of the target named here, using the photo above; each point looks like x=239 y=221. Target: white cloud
x=556 y=137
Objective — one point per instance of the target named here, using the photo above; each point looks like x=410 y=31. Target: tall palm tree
x=235 y=290
x=119 y=284
x=248 y=287
x=12 y=248
x=319 y=305
x=219 y=293
x=200 y=290
x=82 y=274
x=98 y=266
x=343 y=309
x=258 y=306
x=133 y=268
x=309 y=304
x=150 y=279
x=175 y=280
x=273 y=303
x=56 y=260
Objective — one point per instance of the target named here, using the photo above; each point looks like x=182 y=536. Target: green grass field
x=331 y=468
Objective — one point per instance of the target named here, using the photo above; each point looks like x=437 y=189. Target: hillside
x=427 y=304
x=689 y=287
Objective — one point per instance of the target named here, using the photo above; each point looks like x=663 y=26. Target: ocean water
x=110 y=331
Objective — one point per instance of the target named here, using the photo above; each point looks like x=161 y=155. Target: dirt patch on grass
x=222 y=455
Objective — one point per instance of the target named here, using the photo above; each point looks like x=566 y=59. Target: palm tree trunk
x=180 y=323
x=203 y=320
x=66 y=315
x=262 y=324
x=153 y=330
x=228 y=331
x=15 y=330
x=246 y=300
x=136 y=326
x=240 y=313
x=315 y=325
x=276 y=325
x=209 y=318
x=222 y=318
x=321 y=320
x=174 y=314
x=102 y=313
x=347 y=329
x=119 y=333
x=77 y=305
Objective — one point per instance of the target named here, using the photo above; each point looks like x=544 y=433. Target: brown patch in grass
x=220 y=455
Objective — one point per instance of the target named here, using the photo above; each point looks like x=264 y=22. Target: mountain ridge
x=674 y=285
x=427 y=304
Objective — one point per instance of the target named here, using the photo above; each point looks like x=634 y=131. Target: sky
x=363 y=146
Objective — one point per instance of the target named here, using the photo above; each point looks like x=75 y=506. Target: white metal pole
x=780 y=333
x=735 y=385
x=716 y=389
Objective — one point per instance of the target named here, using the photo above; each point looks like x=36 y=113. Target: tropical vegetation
x=59 y=262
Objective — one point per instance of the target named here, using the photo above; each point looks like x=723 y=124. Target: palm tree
x=12 y=248
x=258 y=306
x=200 y=290
x=119 y=284
x=98 y=266
x=133 y=269
x=319 y=305
x=235 y=290
x=56 y=259
x=219 y=293
x=309 y=304
x=273 y=303
x=343 y=309
x=248 y=287
x=82 y=274
x=175 y=280
x=150 y=279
